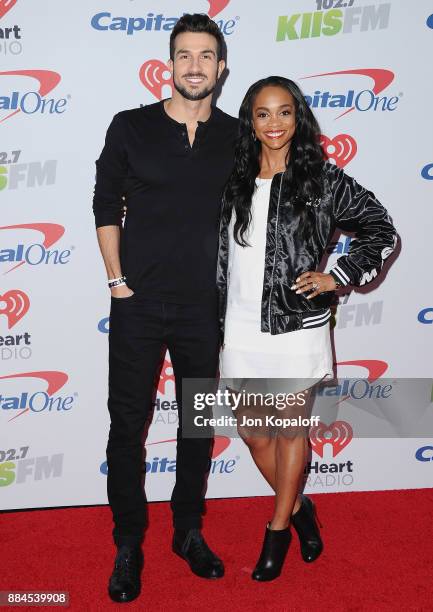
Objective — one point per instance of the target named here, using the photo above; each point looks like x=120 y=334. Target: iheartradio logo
x=6 y=5
x=338 y=434
x=165 y=376
x=216 y=6
x=342 y=148
x=14 y=304
x=154 y=74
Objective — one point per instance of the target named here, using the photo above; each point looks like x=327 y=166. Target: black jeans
x=139 y=331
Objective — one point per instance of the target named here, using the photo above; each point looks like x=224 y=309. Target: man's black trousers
x=139 y=330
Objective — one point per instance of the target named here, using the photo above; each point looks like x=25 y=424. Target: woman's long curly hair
x=304 y=161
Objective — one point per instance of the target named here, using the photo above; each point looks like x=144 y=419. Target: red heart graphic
x=344 y=148
x=220 y=445
x=152 y=76
x=216 y=6
x=338 y=434
x=16 y=305
x=5 y=6
x=164 y=376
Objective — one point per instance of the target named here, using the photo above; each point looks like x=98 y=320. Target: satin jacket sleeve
x=357 y=210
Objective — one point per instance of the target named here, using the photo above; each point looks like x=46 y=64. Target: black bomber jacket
x=344 y=205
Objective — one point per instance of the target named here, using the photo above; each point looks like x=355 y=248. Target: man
x=170 y=161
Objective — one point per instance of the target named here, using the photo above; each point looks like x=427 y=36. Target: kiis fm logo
x=35 y=253
x=10 y=36
x=152 y=22
x=341 y=18
x=16 y=467
x=14 y=305
x=29 y=101
x=31 y=174
x=162 y=465
x=357 y=315
x=341 y=149
x=361 y=100
x=14 y=405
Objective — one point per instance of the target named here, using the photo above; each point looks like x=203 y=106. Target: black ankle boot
x=125 y=583
x=305 y=523
x=274 y=550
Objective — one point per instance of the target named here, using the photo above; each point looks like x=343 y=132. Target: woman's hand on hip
x=315 y=283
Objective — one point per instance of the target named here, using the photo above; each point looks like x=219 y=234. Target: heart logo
x=15 y=305
x=165 y=376
x=5 y=6
x=216 y=6
x=342 y=148
x=338 y=434
x=220 y=445
x=154 y=75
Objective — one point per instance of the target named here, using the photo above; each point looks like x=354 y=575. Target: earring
x=254 y=135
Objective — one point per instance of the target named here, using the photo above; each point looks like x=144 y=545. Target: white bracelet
x=117 y=282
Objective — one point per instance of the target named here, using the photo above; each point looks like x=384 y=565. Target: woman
x=282 y=205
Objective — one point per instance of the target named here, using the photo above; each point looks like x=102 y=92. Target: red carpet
x=378 y=556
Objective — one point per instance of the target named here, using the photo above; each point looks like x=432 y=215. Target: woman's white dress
x=249 y=353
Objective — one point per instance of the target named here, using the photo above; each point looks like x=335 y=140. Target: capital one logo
x=15 y=404
x=342 y=148
x=14 y=305
x=362 y=100
x=36 y=253
x=221 y=443
x=425 y=453
x=154 y=21
x=338 y=434
x=27 y=99
x=163 y=464
x=427 y=172
x=375 y=367
x=425 y=316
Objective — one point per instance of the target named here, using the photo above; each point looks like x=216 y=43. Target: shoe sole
x=121 y=599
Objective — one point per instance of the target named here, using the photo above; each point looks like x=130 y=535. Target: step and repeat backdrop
x=65 y=70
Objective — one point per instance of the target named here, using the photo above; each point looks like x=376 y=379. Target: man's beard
x=195 y=95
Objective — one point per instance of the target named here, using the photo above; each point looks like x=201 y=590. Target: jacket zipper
x=275 y=254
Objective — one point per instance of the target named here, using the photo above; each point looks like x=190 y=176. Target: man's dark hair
x=197 y=23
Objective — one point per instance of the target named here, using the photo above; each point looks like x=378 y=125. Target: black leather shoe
x=305 y=523
x=274 y=551
x=125 y=584
x=191 y=546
